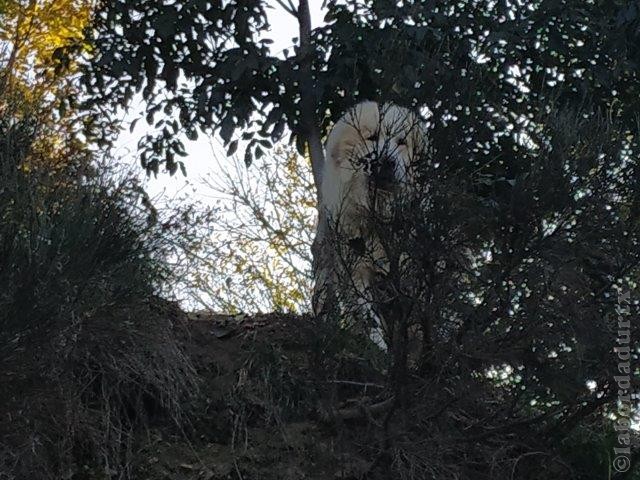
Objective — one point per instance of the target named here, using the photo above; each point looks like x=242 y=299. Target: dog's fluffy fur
x=370 y=153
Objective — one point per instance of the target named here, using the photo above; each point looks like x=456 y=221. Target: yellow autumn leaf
x=30 y=33
x=34 y=29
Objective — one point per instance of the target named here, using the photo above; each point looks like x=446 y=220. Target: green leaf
x=233 y=147
x=165 y=25
x=227 y=128
x=191 y=134
x=248 y=158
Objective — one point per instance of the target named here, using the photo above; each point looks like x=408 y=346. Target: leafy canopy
x=201 y=65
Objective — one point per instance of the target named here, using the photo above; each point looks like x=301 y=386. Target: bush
x=503 y=294
x=88 y=351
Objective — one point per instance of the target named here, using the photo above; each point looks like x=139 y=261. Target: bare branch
x=288 y=7
x=360 y=411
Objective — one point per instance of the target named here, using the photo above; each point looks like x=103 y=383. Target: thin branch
x=357 y=384
x=290 y=8
x=360 y=411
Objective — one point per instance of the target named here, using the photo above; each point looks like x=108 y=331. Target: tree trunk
x=308 y=117
x=323 y=295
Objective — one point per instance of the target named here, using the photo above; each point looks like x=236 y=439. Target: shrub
x=88 y=351
x=501 y=296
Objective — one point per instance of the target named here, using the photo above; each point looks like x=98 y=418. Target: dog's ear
x=350 y=131
x=335 y=146
x=343 y=139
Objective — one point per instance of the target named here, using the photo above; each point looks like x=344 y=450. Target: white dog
x=370 y=153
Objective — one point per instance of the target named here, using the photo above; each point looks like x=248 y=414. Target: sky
x=206 y=155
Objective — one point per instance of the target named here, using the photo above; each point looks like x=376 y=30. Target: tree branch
x=357 y=412
x=288 y=7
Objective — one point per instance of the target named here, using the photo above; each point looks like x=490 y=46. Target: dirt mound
x=273 y=397
x=260 y=414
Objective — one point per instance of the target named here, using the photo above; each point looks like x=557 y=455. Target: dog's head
x=378 y=141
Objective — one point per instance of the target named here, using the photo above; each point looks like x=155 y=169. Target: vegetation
x=513 y=264
x=522 y=233
x=249 y=250
x=88 y=351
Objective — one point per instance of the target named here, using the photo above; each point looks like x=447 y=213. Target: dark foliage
x=420 y=53
x=87 y=352
x=516 y=293
x=522 y=241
